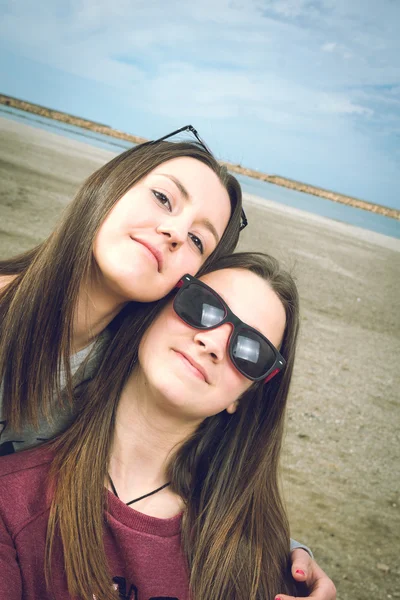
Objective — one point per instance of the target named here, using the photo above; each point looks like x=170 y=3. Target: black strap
x=141 y=497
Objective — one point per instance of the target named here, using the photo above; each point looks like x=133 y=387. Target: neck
x=144 y=440
x=96 y=308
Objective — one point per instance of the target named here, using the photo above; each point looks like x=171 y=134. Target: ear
x=232 y=407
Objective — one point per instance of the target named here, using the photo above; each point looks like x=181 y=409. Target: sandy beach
x=341 y=471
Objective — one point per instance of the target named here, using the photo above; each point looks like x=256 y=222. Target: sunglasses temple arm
x=271 y=375
x=244 y=221
x=165 y=137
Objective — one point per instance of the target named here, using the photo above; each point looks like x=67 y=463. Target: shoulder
x=25 y=461
x=23 y=485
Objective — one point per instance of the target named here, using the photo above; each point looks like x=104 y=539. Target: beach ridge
x=236 y=168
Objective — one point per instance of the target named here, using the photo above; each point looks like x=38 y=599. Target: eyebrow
x=179 y=185
x=205 y=222
x=208 y=225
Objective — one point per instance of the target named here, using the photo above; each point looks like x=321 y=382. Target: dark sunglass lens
x=251 y=353
x=199 y=307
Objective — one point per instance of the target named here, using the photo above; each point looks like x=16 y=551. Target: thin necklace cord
x=141 y=497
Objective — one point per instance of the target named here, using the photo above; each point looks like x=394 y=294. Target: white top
x=83 y=366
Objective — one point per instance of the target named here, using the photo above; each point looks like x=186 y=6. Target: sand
x=341 y=468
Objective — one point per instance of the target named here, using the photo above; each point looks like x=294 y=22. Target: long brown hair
x=37 y=307
x=235 y=533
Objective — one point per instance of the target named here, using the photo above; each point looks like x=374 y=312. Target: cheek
x=150 y=362
x=159 y=333
x=109 y=228
x=122 y=214
x=129 y=211
x=151 y=339
x=186 y=261
x=238 y=386
x=233 y=384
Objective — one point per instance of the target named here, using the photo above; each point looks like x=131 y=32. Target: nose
x=175 y=230
x=214 y=341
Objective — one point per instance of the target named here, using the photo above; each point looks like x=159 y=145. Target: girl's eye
x=162 y=199
x=197 y=242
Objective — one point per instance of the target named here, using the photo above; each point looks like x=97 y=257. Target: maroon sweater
x=144 y=553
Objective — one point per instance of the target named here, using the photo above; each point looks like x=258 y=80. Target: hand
x=306 y=570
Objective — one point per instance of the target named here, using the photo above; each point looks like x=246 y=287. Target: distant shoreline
x=275 y=179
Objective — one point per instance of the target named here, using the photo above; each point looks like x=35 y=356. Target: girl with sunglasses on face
x=167 y=481
x=137 y=224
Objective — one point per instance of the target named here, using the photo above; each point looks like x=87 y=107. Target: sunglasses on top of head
x=253 y=355
x=202 y=143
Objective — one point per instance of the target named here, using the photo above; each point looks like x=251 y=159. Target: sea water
x=263 y=189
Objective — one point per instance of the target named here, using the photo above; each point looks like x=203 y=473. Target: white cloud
x=273 y=70
x=329 y=46
x=339 y=49
x=292 y=68
x=343 y=106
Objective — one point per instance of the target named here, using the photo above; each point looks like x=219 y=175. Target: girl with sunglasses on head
x=166 y=484
x=139 y=223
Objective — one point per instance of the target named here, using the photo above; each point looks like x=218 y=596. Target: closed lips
x=195 y=365
x=155 y=252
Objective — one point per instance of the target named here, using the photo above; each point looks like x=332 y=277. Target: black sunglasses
x=192 y=130
x=251 y=352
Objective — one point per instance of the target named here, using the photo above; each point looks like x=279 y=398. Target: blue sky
x=304 y=89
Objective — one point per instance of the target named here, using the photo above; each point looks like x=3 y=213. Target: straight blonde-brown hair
x=37 y=307
x=235 y=532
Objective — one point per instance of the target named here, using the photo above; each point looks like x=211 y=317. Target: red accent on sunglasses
x=271 y=375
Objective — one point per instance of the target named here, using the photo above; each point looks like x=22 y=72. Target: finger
x=324 y=592
x=301 y=564
x=322 y=588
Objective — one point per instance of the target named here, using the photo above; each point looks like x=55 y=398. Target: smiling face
x=166 y=225
x=189 y=370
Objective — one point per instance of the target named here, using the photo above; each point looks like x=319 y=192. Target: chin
x=173 y=390
x=136 y=288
